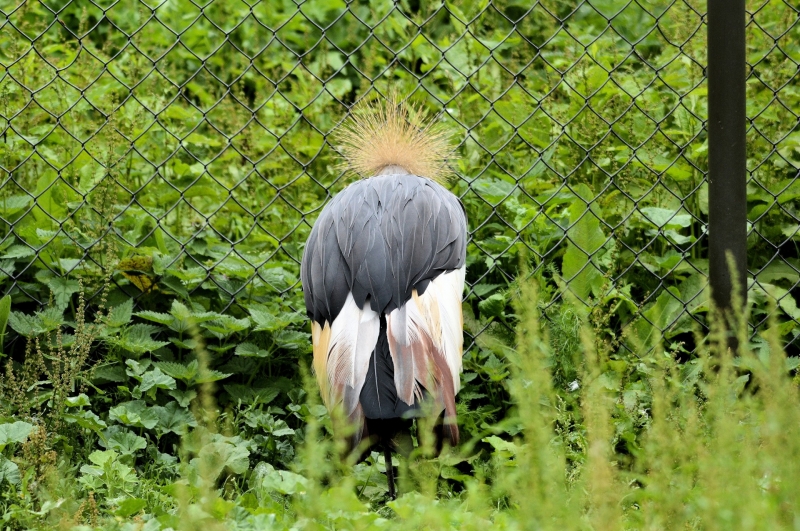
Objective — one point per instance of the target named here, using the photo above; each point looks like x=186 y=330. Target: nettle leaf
x=39 y=323
x=120 y=315
x=225 y=325
x=174 y=418
x=24 y=325
x=19 y=251
x=123 y=441
x=14 y=432
x=264 y=320
x=250 y=350
x=134 y=413
x=185 y=373
x=136 y=339
x=482 y=290
x=293 y=340
x=190 y=373
x=160 y=318
x=51 y=318
x=15 y=203
x=221 y=349
x=240 y=365
x=252 y=395
x=63 y=289
x=278 y=278
x=186 y=344
x=211 y=375
x=5 y=310
x=184 y=318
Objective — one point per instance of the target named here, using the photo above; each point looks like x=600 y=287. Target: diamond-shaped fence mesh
x=186 y=147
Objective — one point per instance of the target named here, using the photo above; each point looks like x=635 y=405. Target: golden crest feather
x=390 y=132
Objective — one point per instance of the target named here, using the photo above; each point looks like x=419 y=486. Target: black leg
x=387 y=456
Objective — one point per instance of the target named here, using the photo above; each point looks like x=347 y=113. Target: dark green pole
x=727 y=156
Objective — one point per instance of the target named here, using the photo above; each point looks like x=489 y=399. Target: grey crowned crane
x=383 y=276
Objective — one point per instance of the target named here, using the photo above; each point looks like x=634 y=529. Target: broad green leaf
x=51 y=318
x=13 y=204
x=111 y=373
x=100 y=458
x=266 y=320
x=156 y=379
x=250 y=350
x=664 y=217
x=222 y=453
x=493 y=306
x=185 y=373
x=120 y=315
x=129 y=507
x=5 y=310
x=77 y=401
x=293 y=340
x=210 y=375
x=495 y=191
x=585 y=239
x=779 y=270
x=15 y=432
x=184 y=318
x=25 y=325
x=137 y=368
x=161 y=318
x=18 y=251
x=265 y=477
x=251 y=395
x=657 y=319
x=136 y=339
x=85 y=419
x=503 y=448
x=123 y=441
x=63 y=289
x=174 y=418
x=184 y=398
x=134 y=413
x=225 y=325
x=9 y=471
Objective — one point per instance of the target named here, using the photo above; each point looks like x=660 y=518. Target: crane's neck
x=393 y=169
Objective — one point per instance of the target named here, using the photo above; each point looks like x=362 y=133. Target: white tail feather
x=440 y=307
x=435 y=315
x=354 y=334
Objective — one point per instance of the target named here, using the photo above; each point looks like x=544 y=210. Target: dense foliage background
x=162 y=164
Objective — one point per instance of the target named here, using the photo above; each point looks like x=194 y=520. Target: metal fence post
x=727 y=158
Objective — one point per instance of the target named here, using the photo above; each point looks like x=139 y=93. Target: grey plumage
x=379 y=239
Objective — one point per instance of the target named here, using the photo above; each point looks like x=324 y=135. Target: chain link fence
x=186 y=148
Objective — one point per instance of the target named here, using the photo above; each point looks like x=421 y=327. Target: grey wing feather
x=381 y=238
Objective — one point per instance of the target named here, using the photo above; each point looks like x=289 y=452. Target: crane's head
x=391 y=136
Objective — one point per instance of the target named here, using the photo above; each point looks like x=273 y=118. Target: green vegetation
x=159 y=179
